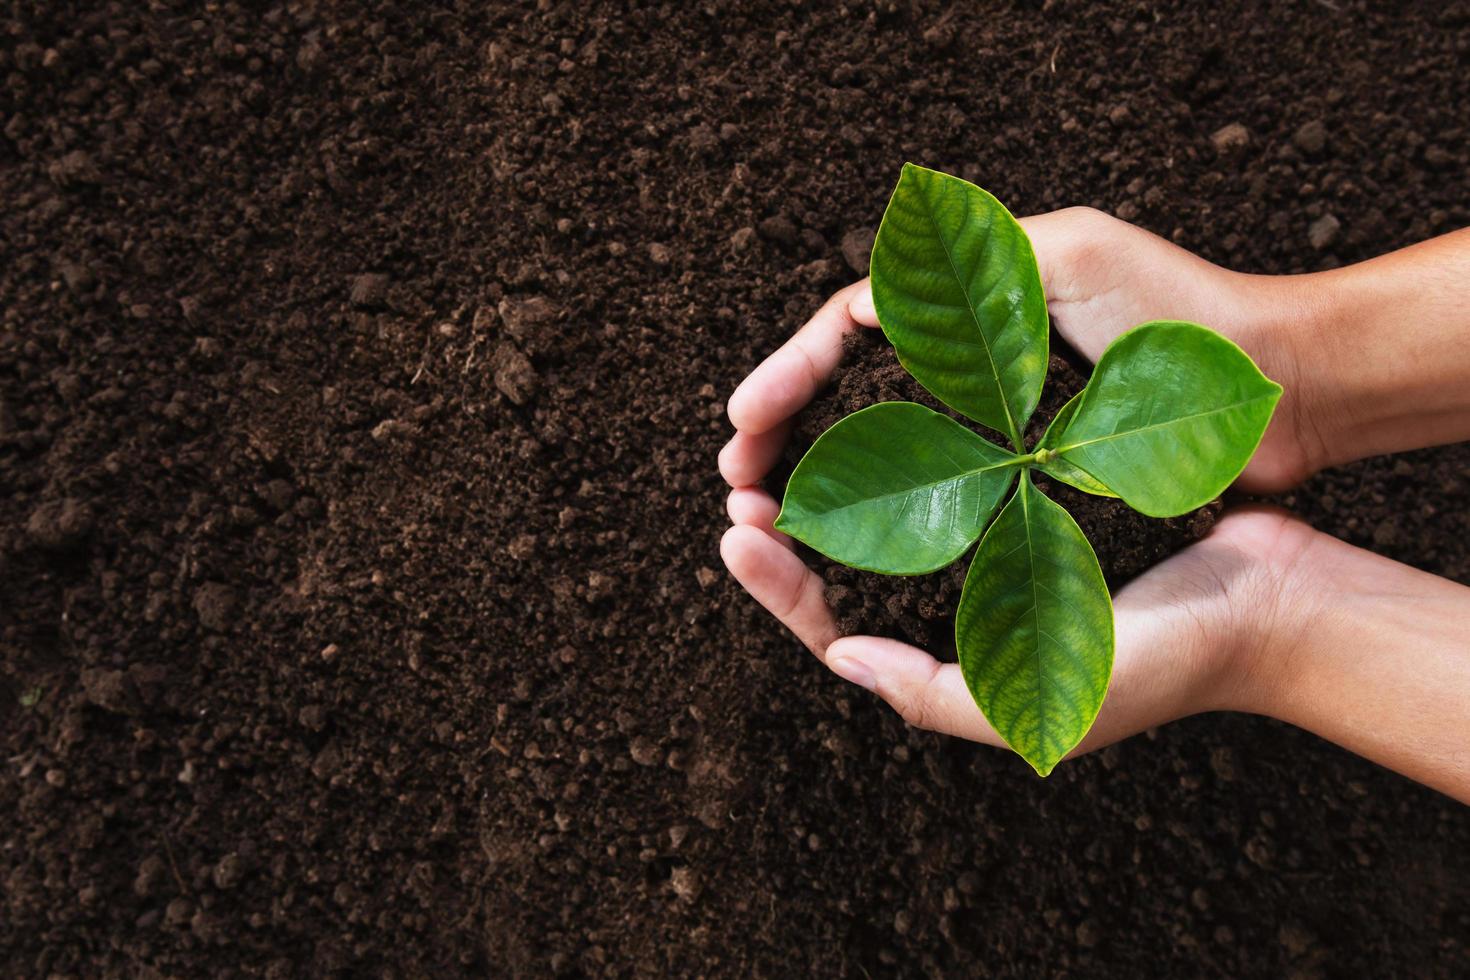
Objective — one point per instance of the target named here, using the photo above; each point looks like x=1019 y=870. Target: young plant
x=1170 y=417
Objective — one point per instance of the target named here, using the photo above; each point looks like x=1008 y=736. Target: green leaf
x=1170 y=418
x=1034 y=629
x=895 y=488
x=958 y=293
x=1059 y=468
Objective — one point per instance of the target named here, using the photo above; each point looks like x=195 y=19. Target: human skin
x=1264 y=615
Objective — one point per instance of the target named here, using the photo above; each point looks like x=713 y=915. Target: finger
x=778 y=580
x=784 y=382
x=754 y=507
x=928 y=694
x=861 y=305
x=747 y=458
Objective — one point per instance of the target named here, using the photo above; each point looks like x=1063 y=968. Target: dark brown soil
x=361 y=376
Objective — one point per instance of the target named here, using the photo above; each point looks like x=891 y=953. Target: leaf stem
x=1016 y=439
x=1028 y=460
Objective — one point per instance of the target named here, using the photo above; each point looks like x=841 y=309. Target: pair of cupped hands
x=1201 y=631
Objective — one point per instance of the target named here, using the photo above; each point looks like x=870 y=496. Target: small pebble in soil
x=75 y=169
x=369 y=290
x=106 y=689
x=228 y=871
x=522 y=315
x=685 y=884
x=1311 y=137
x=857 y=248
x=779 y=229
x=1230 y=139
x=644 y=751
x=214 y=604
x=1323 y=232
x=514 y=376
x=60 y=525
x=77 y=276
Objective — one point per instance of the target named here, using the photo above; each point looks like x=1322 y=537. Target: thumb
x=928 y=694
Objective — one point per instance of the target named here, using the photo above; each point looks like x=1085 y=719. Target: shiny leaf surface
x=957 y=291
x=1034 y=629
x=1171 y=416
x=895 y=488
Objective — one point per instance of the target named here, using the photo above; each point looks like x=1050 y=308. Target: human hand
x=1264 y=615
x=1102 y=277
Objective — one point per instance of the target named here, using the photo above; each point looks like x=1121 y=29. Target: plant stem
x=1016 y=439
x=1028 y=460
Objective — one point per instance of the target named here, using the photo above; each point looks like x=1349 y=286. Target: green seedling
x=1170 y=417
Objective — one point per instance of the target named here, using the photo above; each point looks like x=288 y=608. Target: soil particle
x=644 y=751
x=178 y=913
x=60 y=525
x=79 y=278
x=1311 y=137
x=1438 y=158
x=75 y=169
x=685 y=884
x=524 y=316
x=857 y=249
x=1323 y=232
x=369 y=291
x=394 y=430
x=515 y=378
x=107 y=689
x=215 y=604
x=780 y=229
x=1230 y=139
x=228 y=872
x=313 y=717
x=151 y=873
x=279 y=494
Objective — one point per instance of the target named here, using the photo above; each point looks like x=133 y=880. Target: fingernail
x=855 y=671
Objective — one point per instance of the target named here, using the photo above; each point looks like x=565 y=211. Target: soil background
x=362 y=373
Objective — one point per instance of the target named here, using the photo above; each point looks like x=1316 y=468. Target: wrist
x=1286 y=328
x=1276 y=592
x=1373 y=356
